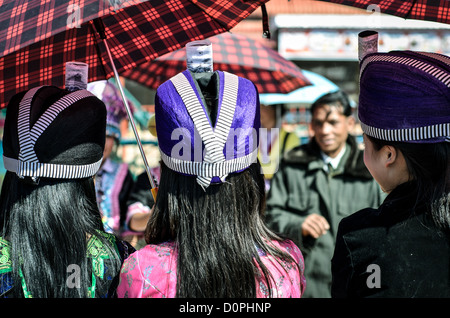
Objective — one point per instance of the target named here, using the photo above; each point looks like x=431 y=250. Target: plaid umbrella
x=430 y=10
x=234 y=53
x=38 y=37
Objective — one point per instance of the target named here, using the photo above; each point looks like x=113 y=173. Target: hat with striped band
x=53 y=133
x=207 y=124
x=405 y=96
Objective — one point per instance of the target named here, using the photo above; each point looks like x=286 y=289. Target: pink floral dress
x=152 y=272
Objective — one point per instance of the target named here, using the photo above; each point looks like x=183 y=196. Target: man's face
x=331 y=128
x=268 y=116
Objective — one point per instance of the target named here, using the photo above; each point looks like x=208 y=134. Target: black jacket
x=394 y=251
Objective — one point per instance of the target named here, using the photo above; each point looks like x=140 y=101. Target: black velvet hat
x=53 y=133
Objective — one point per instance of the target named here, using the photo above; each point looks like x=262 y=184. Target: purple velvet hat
x=193 y=140
x=405 y=96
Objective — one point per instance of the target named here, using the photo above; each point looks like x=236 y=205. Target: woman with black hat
x=52 y=239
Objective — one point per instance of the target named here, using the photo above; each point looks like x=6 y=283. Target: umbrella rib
x=410 y=9
x=97 y=46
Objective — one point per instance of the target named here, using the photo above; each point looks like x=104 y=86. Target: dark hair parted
x=428 y=165
x=47 y=226
x=338 y=99
x=216 y=232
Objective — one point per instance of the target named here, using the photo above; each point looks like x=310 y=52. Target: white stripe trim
x=442 y=58
x=408 y=134
x=427 y=68
x=49 y=170
x=28 y=165
x=214 y=139
x=205 y=171
x=23 y=127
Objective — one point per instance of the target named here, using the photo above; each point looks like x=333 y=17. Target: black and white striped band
x=409 y=134
x=48 y=170
x=205 y=171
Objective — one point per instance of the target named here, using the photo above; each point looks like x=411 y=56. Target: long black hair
x=216 y=232
x=48 y=226
x=429 y=167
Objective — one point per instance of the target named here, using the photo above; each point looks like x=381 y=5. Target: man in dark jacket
x=317 y=185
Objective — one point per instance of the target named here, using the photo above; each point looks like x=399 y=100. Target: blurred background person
x=274 y=140
x=140 y=200
x=113 y=181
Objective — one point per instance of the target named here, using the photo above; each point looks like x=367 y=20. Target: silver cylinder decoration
x=199 y=56
x=76 y=76
x=367 y=43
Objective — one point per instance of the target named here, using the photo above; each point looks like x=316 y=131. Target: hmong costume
x=394 y=88
x=113 y=184
x=56 y=137
x=161 y=281
x=404 y=100
x=113 y=181
x=208 y=127
x=95 y=251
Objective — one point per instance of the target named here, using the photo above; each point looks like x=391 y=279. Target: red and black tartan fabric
x=37 y=37
x=430 y=10
x=234 y=53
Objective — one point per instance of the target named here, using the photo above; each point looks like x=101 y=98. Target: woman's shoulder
x=149 y=272
x=288 y=278
x=290 y=247
x=361 y=219
x=155 y=251
x=124 y=248
x=286 y=244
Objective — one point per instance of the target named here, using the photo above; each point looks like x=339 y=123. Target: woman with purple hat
x=401 y=249
x=52 y=240
x=206 y=235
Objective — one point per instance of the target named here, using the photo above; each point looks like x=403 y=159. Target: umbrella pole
x=133 y=125
x=100 y=28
